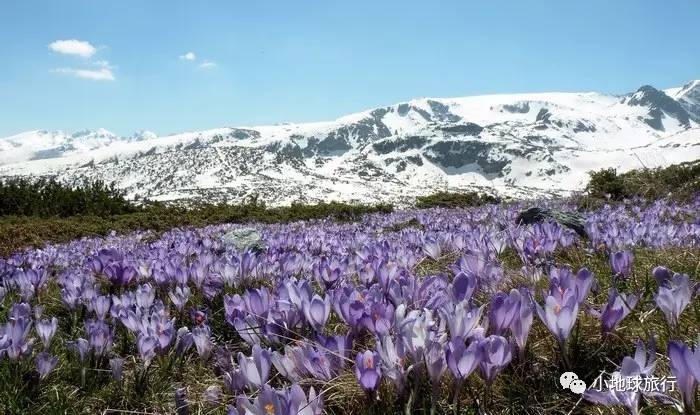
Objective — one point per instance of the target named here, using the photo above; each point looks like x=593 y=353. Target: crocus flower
x=618 y=307
x=317 y=311
x=662 y=275
x=434 y=356
x=45 y=364
x=463 y=286
x=431 y=247
x=621 y=263
x=268 y=402
x=14 y=334
x=117 y=366
x=101 y=305
x=638 y=367
x=100 y=336
x=502 y=311
x=559 y=313
x=146 y=346
x=495 y=353
x=179 y=296
x=462 y=360
x=299 y=404
x=46 y=329
x=182 y=407
x=522 y=322
x=255 y=369
x=184 y=341
x=463 y=320
x=81 y=346
x=393 y=360
x=367 y=370
x=120 y=274
x=672 y=300
x=202 y=341
x=685 y=365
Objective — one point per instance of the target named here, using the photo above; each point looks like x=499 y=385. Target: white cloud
x=103 y=64
x=73 y=47
x=189 y=56
x=102 y=74
x=207 y=65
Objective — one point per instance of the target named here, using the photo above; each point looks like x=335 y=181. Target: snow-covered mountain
x=520 y=145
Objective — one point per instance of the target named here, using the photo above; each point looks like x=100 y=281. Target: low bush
x=679 y=181
x=455 y=200
x=47 y=197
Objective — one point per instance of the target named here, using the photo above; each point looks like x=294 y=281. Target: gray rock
x=244 y=239
x=571 y=220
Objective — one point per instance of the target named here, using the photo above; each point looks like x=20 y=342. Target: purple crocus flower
x=82 y=346
x=621 y=263
x=117 y=366
x=100 y=336
x=100 y=305
x=299 y=404
x=268 y=402
x=462 y=360
x=639 y=367
x=673 y=299
x=685 y=365
x=255 y=369
x=179 y=296
x=14 y=334
x=393 y=360
x=662 y=275
x=199 y=317
x=434 y=356
x=120 y=274
x=182 y=407
x=202 y=341
x=521 y=324
x=339 y=346
x=463 y=286
x=581 y=283
x=431 y=247
x=502 y=311
x=146 y=346
x=559 y=313
x=234 y=381
x=45 y=364
x=317 y=311
x=618 y=307
x=496 y=353
x=367 y=370
x=46 y=329
x=184 y=340
x=463 y=321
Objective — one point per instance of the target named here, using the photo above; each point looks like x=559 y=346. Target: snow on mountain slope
x=519 y=144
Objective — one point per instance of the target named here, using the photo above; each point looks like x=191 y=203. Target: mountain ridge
x=512 y=144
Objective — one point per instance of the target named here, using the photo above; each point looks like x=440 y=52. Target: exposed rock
x=244 y=239
x=571 y=220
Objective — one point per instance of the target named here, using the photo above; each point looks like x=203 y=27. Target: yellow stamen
x=270 y=409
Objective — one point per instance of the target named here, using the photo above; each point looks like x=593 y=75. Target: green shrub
x=47 y=197
x=455 y=200
x=679 y=181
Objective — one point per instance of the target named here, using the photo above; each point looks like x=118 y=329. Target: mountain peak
x=659 y=104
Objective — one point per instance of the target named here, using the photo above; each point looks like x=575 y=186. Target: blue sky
x=277 y=61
